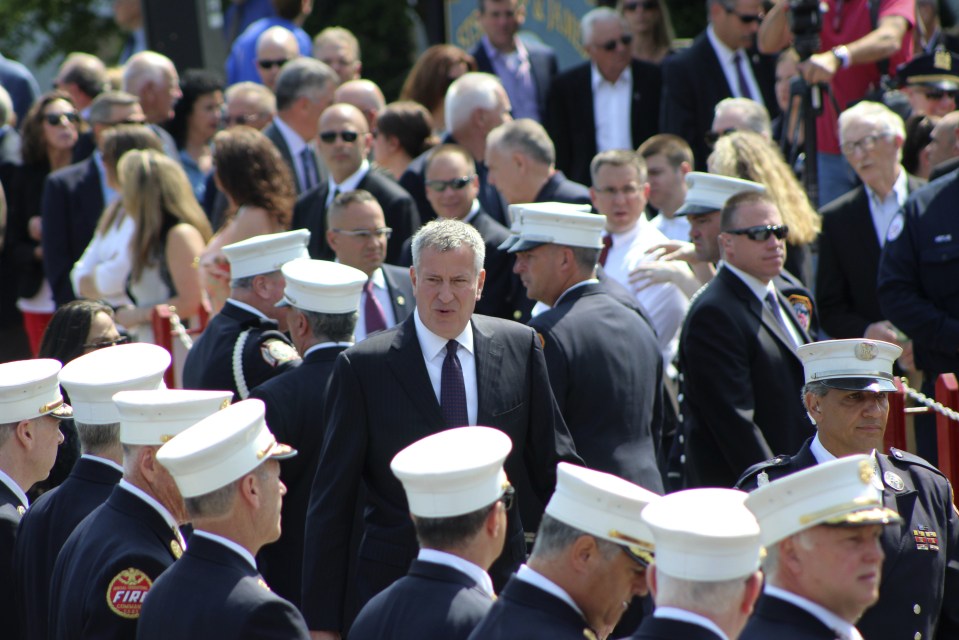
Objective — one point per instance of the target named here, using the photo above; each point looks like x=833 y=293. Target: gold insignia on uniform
x=517 y=315
x=893 y=481
x=127 y=591
x=866 y=471
x=165 y=438
x=21 y=509
x=277 y=352
x=866 y=350
x=262 y=583
x=50 y=406
x=590 y=634
x=802 y=306
x=400 y=300
x=176 y=549
x=224 y=404
x=943 y=60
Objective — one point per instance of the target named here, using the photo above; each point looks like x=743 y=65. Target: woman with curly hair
x=434 y=72
x=750 y=156
x=260 y=194
x=651 y=28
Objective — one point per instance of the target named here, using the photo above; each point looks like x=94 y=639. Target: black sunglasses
x=329 y=137
x=456 y=184
x=761 y=233
x=625 y=40
x=939 y=95
x=104 y=345
x=53 y=119
x=745 y=18
x=648 y=5
x=266 y=65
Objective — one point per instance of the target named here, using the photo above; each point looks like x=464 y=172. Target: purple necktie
x=373 y=311
x=744 y=91
x=453 y=389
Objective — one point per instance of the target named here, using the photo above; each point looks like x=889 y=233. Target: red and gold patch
x=127 y=591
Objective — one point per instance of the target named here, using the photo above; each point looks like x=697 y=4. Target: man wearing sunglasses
x=289 y=14
x=738 y=352
x=274 y=48
x=722 y=62
x=931 y=81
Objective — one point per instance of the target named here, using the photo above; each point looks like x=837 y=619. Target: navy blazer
x=213 y=592
x=526 y=612
x=559 y=188
x=322 y=174
x=11 y=510
x=542 y=63
x=431 y=601
x=776 y=618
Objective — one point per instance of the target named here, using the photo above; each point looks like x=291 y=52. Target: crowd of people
x=528 y=353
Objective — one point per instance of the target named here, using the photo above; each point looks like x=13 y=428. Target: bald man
x=275 y=46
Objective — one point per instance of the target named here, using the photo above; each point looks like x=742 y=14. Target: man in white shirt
x=668 y=159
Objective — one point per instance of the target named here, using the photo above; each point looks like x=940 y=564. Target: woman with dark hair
x=432 y=75
x=404 y=130
x=49 y=132
x=196 y=119
x=651 y=28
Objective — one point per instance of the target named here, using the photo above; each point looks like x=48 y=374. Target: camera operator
x=857 y=44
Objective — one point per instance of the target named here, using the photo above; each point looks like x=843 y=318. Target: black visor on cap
x=875 y=384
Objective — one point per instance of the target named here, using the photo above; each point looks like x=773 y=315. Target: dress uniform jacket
x=431 y=601
x=295 y=402
x=526 y=612
x=380 y=401
x=106 y=569
x=213 y=592
x=237 y=336
x=11 y=510
x=43 y=530
x=606 y=372
x=654 y=628
x=923 y=550
x=776 y=618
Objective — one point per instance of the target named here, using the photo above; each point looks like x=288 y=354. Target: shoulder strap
x=242 y=390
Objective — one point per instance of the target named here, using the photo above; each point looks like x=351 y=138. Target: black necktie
x=453 y=389
x=744 y=91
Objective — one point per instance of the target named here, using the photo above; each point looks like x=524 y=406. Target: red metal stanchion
x=947 y=431
x=895 y=435
x=163 y=337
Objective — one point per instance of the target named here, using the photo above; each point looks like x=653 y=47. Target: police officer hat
x=322 y=286
x=29 y=389
x=558 y=223
x=937 y=70
x=516 y=212
x=153 y=417
x=708 y=192
x=855 y=365
x=266 y=253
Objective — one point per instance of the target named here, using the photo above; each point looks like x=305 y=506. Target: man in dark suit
x=493 y=374
x=722 y=62
x=525 y=68
x=944 y=146
x=603 y=358
x=345 y=143
x=610 y=102
x=227 y=468
x=90 y=380
x=109 y=563
x=323 y=298
x=738 y=353
x=304 y=89
x=846 y=394
x=476 y=103
x=458 y=495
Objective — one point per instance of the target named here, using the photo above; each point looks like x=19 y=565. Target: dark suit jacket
x=666 y=629
x=741 y=382
x=606 y=371
x=693 y=82
x=122 y=534
x=71 y=207
x=364 y=434
x=11 y=510
x=23 y=186
x=526 y=612
x=849 y=265
x=44 y=529
x=943 y=168
x=10 y=144
x=570 y=119
x=398 y=209
x=212 y=592
x=431 y=601
x=559 y=188
x=294 y=400
x=542 y=62
x=271 y=132
x=401 y=290
x=775 y=618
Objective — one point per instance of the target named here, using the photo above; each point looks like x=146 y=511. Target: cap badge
x=127 y=591
x=943 y=60
x=50 y=406
x=866 y=471
x=224 y=404
x=176 y=549
x=762 y=479
x=866 y=350
x=893 y=481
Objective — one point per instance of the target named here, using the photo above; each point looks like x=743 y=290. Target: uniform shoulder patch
x=127 y=591
x=276 y=352
x=900 y=457
x=753 y=473
x=802 y=305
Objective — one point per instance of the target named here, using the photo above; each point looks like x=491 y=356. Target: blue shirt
x=516 y=74
x=194 y=174
x=241 y=65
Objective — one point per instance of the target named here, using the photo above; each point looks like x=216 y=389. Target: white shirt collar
x=226 y=542
x=13 y=486
x=109 y=463
x=379 y=280
x=292 y=138
x=247 y=307
x=150 y=500
x=673 y=613
x=757 y=286
x=433 y=345
x=324 y=345
x=582 y=283
x=350 y=182
x=474 y=209
x=531 y=576
x=596 y=78
x=844 y=628
x=474 y=571
x=900 y=188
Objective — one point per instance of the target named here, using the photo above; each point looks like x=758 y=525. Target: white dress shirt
x=108 y=260
x=611 y=110
x=433 y=348
x=883 y=210
x=726 y=55
x=229 y=544
x=675 y=228
x=349 y=184
x=109 y=463
x=673 y=613
x=462 y=565
x=15 y=488
x=382 y=294
x=841 y=627
x=760 y=289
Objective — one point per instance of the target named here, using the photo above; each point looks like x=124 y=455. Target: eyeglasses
x=127 y=121
x=863 y=144
x=612 y=192
x=266 y=65
x=712 y=137
x=366 y=234
x=244 y=118
x=939 y=95
x=104 y=345
x=456 y=184
x=761 y=233
x=329 y=137
x=625 y=39
x=746 y=18
x=54 y=119
x=508 y=498
x=648 y=5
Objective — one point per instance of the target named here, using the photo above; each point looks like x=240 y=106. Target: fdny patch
x=542 y=340
x=127 y=591
x=802 y=306
x=277 y=352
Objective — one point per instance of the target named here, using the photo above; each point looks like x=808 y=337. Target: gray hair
x=753 y=116
x=217 y=503
x=101 y=110
x=336 y=327
x=97 y=438
x=448 y=235
x=262 y=95
x=872 y=113
x=713 y=598
x=525 y=136
x=599 y=14
x=302 y=77
x=86 y=71
x=471 y=91
x=554 y=537
x=6 y=430
x=145 y=67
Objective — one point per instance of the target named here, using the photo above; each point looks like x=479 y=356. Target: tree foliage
x=56 y=27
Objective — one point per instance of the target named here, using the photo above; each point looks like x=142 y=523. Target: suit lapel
x=759 y=309
x=397 y=299
x=903 y=502
x=489 y=358
x=405 y=358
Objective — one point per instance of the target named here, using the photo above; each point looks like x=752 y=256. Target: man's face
x=537 y=268
x=704 y=234
x=244 y=109
x=762 y=259
x=273 y=285
x=942 y=142
x=48 y=436
x=488 y=119
x=447 y=187
x=618 y=194
x=313 y=105
x=839 y=568
x=500 y=20
x=504 y=173
x=446 y=286
x=931 y=101
x=850 y=422
x=127 y=14
x=163 y=97
x=272 y=491
x=613 y=584
x=611 y=62
x=270 y=57
x=666 y=183
x=364 y=253
x=341 y=59
x=737 y=22
x=343 y=157
x=871 y=150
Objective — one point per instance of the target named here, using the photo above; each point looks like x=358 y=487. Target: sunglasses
x=329 y=137
x=712 y=137
x=244 y=118
x=456 y=184
x=104 y=345
x=625 y=40
x=746 y=18
x=366 y=234
x=508 y=498
x=648 y=5
x=761 y=233
x=939 y=95
x=53 y=119
x=266 y=65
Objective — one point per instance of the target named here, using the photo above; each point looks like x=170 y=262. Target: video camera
x=805 y=22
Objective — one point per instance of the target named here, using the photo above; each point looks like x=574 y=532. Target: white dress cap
x=154 y=417
x=704 y=535
x=837 y=492
x=604 y=506
x=558 y=223
x=516 y=217
x=221 y=448
x=321 y=286
x=266 y=253
x=92 y=379
x=453 y=472
x=29 y=389
x=856 y=365
x=709 y=192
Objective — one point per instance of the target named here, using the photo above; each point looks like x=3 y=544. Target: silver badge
x=893 y=481
x=762 y=479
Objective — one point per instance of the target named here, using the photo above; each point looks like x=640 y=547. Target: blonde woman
x=750 y=156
